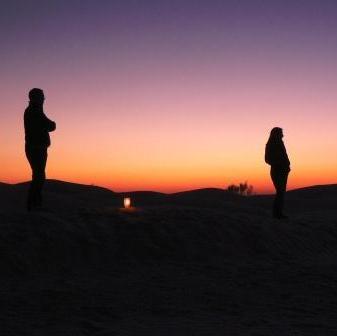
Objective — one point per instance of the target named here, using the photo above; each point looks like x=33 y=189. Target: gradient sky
x=171 y=95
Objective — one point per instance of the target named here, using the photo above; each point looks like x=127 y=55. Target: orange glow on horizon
x=168 y=179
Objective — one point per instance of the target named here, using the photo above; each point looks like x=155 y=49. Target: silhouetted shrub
x=242 y=189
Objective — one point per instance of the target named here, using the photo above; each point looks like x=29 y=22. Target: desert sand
x=203 y=262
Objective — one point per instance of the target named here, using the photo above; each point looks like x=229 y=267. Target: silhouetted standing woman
x=37 y=128
x=276 y=156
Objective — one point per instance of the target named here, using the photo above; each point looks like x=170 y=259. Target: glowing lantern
x=127 y=202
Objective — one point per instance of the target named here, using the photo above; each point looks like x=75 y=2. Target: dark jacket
x=37 y=127
x=276 y=155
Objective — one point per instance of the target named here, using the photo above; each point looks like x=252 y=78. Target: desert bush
x=243 y=189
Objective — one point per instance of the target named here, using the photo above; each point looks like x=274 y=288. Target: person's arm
x=48 y=124
x=286 y=158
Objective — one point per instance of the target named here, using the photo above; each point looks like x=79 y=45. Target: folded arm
x=49 y=125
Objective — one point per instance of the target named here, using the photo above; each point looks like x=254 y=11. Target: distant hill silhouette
x=316 y=190
x=207 y=197
x=62 y=194
x=68 y=187
x=141 y=198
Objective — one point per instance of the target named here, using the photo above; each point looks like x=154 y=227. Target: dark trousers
x=37 y=158
x=279 y=178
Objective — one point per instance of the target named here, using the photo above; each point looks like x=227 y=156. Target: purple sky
x=180 y=77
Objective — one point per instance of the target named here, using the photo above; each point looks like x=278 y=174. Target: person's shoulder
x=30 y=114
x=27 y=113
x=28 y=110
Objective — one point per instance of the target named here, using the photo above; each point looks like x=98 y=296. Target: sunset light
x=185 y=101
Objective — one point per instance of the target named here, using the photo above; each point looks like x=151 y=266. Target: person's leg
x=40 y=175
x=32 y=187
x=279 y=179
x=37 y=158
x=277 y=205
x=283 y=177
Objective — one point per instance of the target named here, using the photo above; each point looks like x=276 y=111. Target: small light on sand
x=127 y=202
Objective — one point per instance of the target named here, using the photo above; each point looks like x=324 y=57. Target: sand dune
x=203 y=262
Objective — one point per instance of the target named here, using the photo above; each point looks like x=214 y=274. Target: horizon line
x=160 y=192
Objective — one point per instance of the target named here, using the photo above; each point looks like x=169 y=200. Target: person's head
x=36 y=96
x=276 y=133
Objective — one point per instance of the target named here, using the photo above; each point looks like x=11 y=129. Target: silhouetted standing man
x=37 y=128
x=276 y=156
